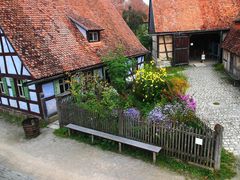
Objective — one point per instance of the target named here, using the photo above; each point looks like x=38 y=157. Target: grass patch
x=219 y=67
x=228 y=161
x=12 y=119
x=176 y=69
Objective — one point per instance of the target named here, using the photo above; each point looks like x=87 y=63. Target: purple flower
x=189 y=101
x=132 y=114
x=156 y=115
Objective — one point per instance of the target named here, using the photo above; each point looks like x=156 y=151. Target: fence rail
x=198 y=146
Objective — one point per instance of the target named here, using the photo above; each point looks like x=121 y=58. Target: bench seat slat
x=123 y=140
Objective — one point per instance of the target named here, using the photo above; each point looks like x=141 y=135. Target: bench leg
x=69 y=132
x=120 y=147
x=92 y=139
x=154 y=157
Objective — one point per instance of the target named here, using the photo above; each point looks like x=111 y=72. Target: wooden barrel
x=31 y=127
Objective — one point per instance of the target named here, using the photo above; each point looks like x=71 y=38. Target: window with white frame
x=20 y=88
x=2 y=91
x=64 y=85
x=93 y=36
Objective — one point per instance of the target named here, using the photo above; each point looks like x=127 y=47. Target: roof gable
x=48 y=42
x=194 y=15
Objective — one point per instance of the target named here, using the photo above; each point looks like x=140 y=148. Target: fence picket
x=177 y=141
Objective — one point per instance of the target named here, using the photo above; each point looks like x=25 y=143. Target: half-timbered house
x=41 y=41
x=231 y=50
x=183 y=30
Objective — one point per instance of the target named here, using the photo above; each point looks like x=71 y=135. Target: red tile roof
x=49 y=43
x=85 y=23
x=194 y=15
x=232 y=40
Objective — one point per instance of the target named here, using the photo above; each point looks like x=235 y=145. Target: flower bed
x=154 y=95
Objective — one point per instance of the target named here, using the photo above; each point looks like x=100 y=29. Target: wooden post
x=120 y=147
x=92 y=139
x=154 y=157
x=59 y=99
x=218 y=146
x=120 y=122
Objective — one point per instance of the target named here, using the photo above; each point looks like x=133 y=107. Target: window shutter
x=5 y=86
x=56 y=87
x=26 y=91
x=13 y=86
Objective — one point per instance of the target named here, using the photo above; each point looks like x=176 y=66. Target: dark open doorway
x=207 y=43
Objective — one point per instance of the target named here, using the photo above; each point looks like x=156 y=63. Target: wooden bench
x=120 y=140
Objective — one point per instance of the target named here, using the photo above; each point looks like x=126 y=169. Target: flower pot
x=31 y=127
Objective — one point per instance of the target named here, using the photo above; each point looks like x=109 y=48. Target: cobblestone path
x=7 y=174
x=218 y=101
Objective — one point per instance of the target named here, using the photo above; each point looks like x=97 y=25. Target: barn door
x=181 y=52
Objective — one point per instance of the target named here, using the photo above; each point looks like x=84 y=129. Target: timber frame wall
x=12 y=72
x=232 y=64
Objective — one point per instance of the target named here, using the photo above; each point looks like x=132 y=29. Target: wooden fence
x=201 y=147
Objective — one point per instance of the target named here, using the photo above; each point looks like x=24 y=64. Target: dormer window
x=93 y=36
x=89 y=29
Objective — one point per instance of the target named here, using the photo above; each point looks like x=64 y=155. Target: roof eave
x=190 y=31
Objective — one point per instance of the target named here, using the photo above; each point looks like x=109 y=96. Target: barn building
x=41 y=41
x=231 y=50
x=183 y=30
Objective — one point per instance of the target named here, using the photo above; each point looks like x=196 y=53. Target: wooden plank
x=115 y=138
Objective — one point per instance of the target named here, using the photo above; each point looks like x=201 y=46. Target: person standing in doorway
x=203 y=57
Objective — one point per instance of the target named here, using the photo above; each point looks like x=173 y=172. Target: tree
x=133 y=18
x=143 y=36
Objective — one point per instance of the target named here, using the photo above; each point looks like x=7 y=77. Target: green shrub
x=118 y=66
x=94 y=95
x=178 y=86
x=150 y=83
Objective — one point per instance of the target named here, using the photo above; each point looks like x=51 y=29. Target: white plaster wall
x=4 y=101
x=13 y=103
x=51 y=107
x=83 y=31
x=2 y=65
x=48 y=89
x=34 y=108
x=23 y=105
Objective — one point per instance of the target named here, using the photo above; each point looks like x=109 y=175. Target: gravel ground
x=218 y=101
x=50 y=157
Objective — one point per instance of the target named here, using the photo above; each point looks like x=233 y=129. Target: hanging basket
x=31 y=127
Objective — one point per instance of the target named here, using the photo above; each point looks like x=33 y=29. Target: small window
x=93 y=36
x=20 y=88
x=64 y=85
x=2 y=91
